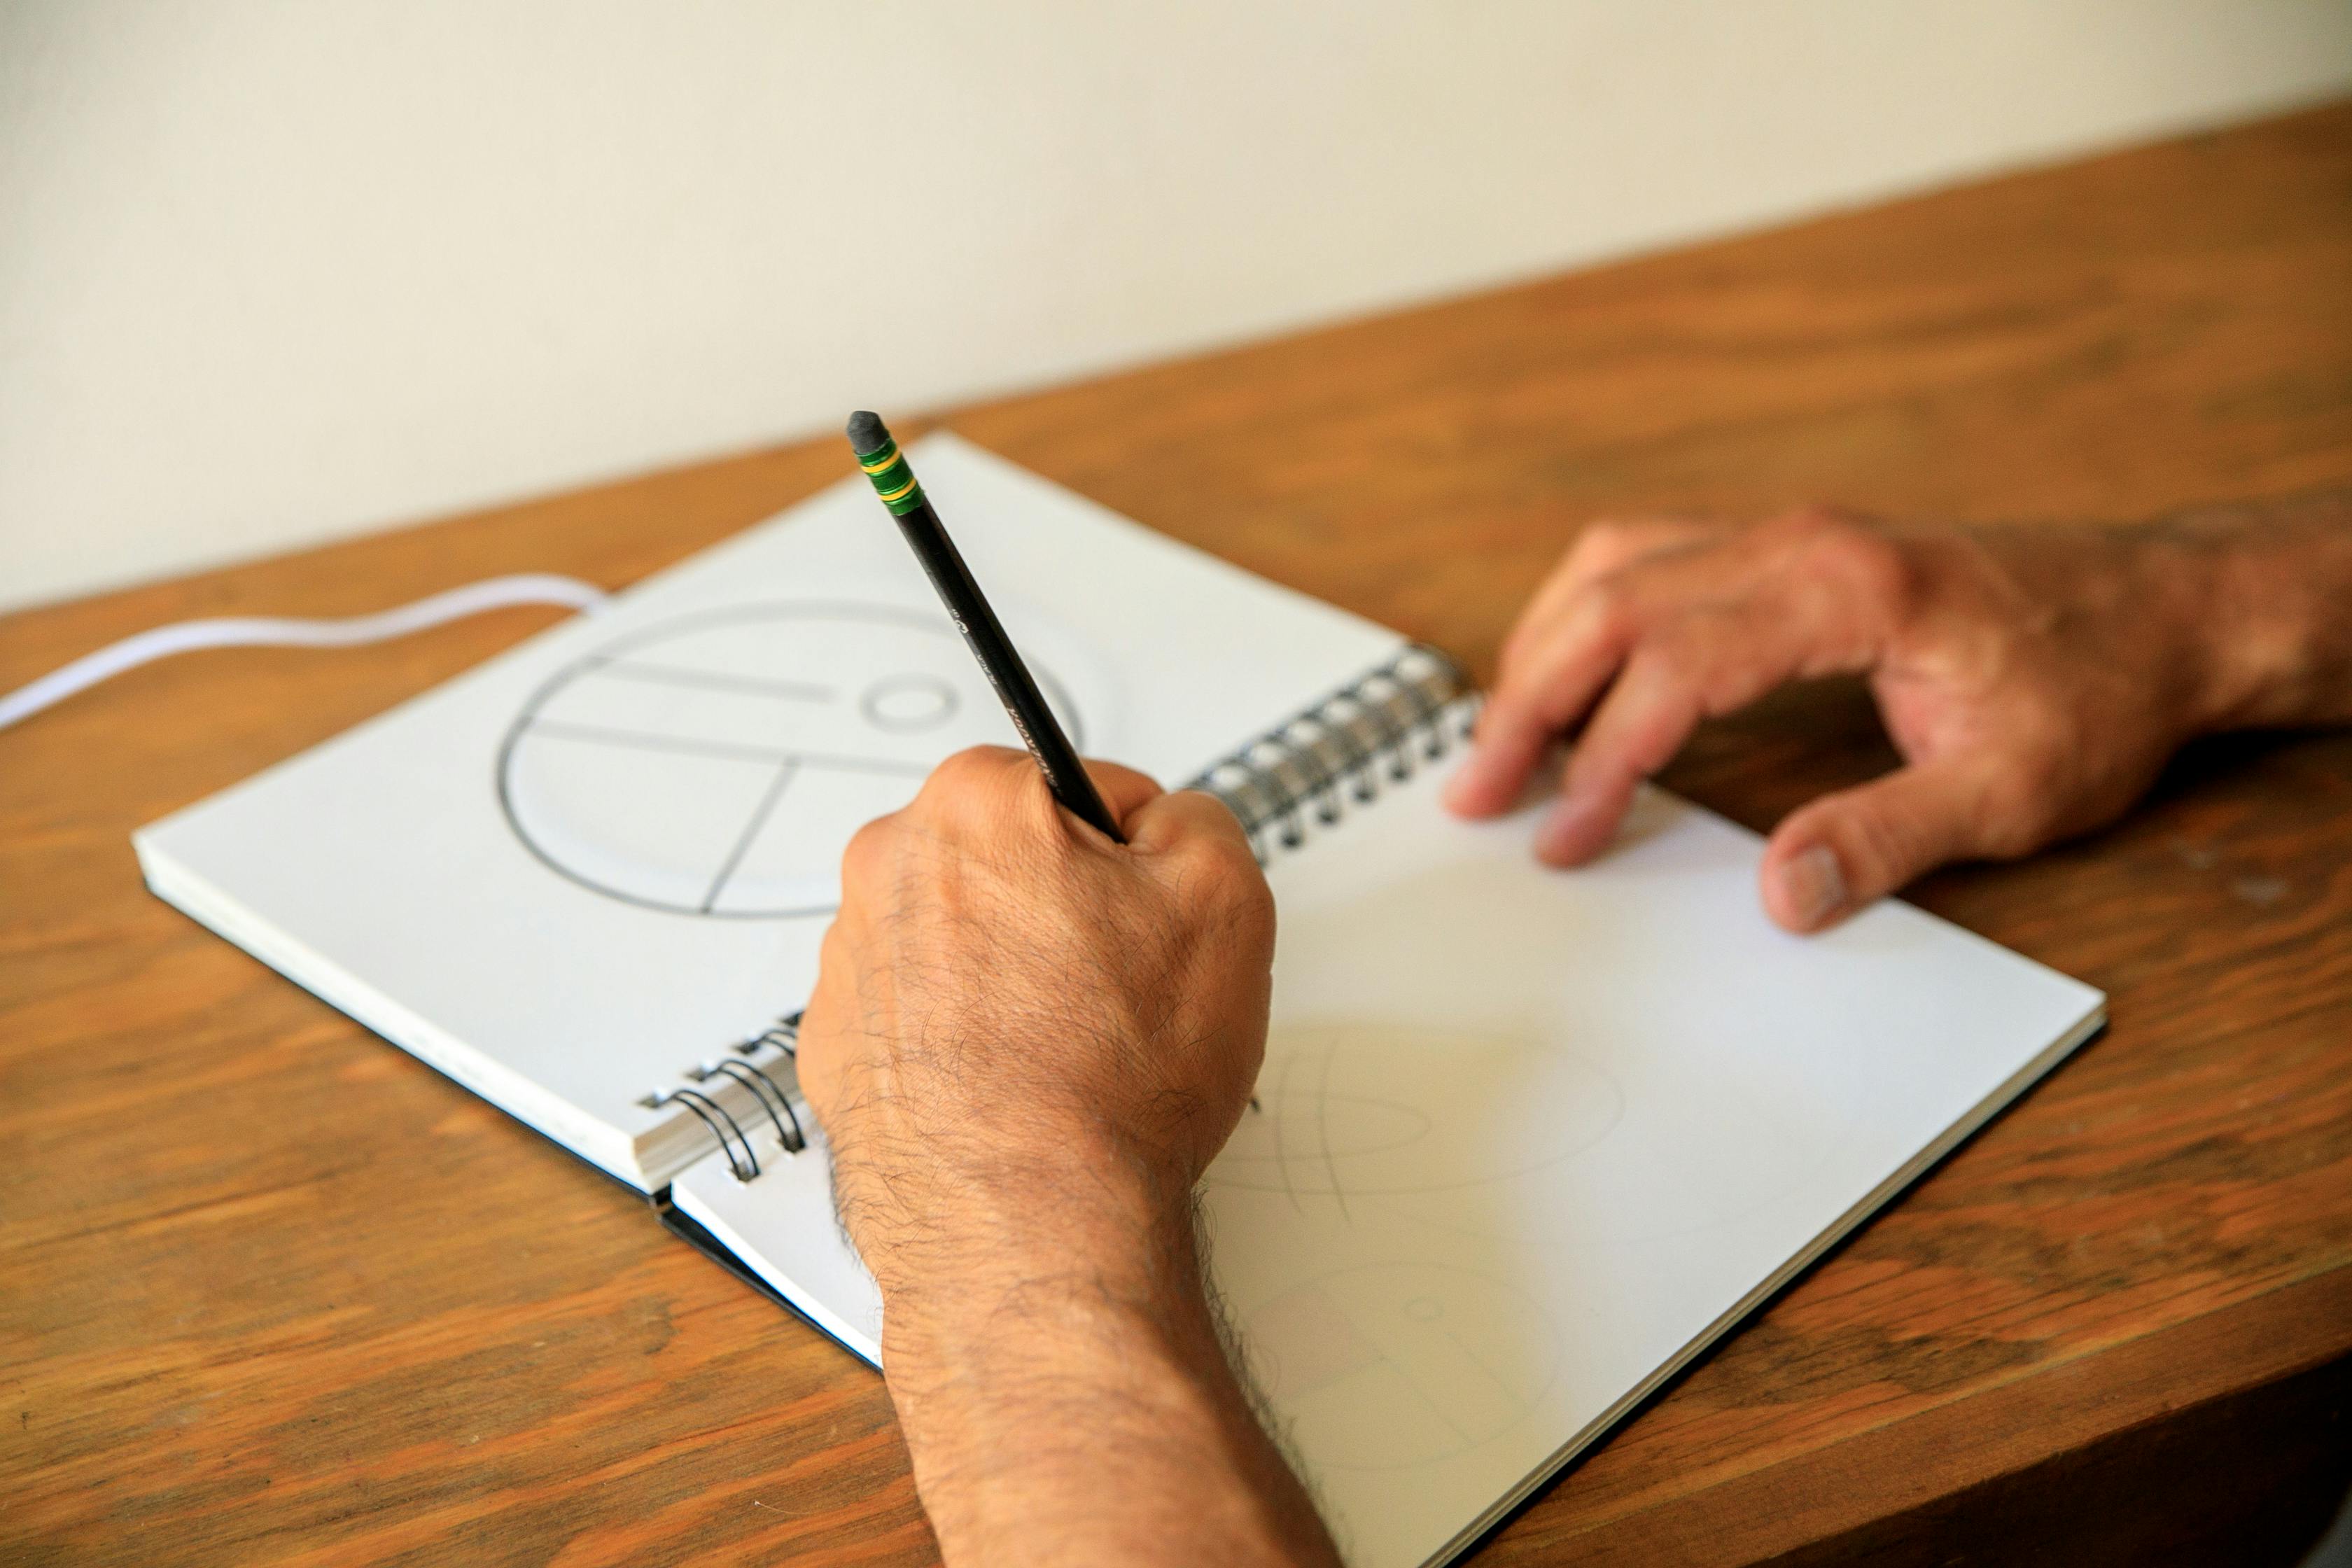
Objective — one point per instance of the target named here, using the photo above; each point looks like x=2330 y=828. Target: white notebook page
x=598 y=861
x=1527 y=1140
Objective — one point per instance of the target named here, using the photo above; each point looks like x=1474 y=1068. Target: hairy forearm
x=1065 y=1397
x=2267 y=588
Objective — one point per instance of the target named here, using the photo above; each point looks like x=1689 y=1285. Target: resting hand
x=2033 y=681
x=1025 y=1043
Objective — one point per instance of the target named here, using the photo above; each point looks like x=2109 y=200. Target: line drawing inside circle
x=717 y=764
x=908 y=704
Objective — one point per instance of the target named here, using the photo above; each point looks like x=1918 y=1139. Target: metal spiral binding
x=772 y=1098
x=783 y=1035
x=747 y=1165
x=1340 y=744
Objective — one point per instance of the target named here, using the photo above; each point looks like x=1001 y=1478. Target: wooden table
x=275 y=1292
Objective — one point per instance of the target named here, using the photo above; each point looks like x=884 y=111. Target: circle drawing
x=717 y=764
x=908 y=704
x=1350 y=1110
x=1448 y=1360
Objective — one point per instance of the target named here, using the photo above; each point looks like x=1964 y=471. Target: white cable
x=264 y=631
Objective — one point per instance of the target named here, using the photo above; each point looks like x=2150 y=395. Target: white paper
x=782 y=1226
x=1527 y=1139
x=575 y=873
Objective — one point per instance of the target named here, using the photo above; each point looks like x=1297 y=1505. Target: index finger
x=1187 y=817
x=1606 y=545
x=1124 y=790
x=1560 y=652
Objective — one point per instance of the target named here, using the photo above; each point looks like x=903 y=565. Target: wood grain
x=275 y=1293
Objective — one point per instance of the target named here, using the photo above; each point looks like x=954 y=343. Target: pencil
x=895 y=482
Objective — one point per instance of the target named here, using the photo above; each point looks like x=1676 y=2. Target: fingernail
x=1559 y=838
x=1812 y=885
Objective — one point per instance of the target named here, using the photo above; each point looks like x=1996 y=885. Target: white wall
x=275 y=271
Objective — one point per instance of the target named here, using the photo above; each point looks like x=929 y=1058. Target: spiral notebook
x=1524 y=1143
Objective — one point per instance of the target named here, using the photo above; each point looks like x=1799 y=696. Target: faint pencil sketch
x=1350 y=1110
x=1392 y=1365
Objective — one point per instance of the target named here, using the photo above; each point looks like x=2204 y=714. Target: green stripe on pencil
x=894 y=481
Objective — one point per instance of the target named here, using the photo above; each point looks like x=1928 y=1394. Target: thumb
x=1188 y=817
x=1124 y=790
x=1829 y=858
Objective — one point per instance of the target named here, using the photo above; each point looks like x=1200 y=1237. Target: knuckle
x=1893 y=577
x=963 y=771
x=1613 y=605
x=973 y=787
x=1604 y=538
x=1613 y=541
x=1807 y=537
x=1668 y=685
x=1221 y=869
x=1811 y=521
x=1876 y=837
x=867 y=849
x=1875 y=845
x=1675 y=658
x=1849 y=551
x=1875 y=567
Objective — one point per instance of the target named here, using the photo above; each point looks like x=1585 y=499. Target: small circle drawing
x=908 y=704
x=717 y=764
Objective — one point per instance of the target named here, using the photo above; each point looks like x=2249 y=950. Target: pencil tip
x=867 y=433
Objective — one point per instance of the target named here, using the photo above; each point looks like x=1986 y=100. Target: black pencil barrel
x=895 y=482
